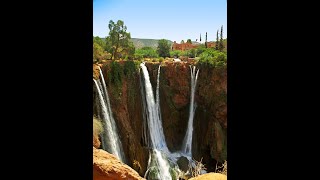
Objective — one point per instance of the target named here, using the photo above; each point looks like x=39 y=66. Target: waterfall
x=152 y=110
x=110 y=139
x=158 y=161
x=187 y=141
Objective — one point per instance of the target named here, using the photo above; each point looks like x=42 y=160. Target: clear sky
x=175 y=20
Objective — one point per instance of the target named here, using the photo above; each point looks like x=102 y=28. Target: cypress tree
x=221 y=39
x=217 y=41
x=206 y=41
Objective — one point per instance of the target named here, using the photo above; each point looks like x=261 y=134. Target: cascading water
x=158 y=165
x=152 y=113
x=110 y=138
x=187 y=142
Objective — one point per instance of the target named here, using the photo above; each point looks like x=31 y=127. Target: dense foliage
x=118 y=42
x=163 y=48
x=146 y=52
x=213 y=57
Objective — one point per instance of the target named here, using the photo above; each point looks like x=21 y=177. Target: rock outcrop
x=96 y=71
x=107 y=167
x=210 y=176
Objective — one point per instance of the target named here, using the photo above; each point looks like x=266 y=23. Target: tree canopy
x=118 y=42
x=163 y=48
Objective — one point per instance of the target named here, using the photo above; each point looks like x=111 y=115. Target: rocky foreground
x=107 y=167
x=210 y=176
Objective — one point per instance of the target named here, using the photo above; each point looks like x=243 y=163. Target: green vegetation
x=115 y=73
x=146 y=52
x=163 y=48
x=100 y=42
x=120 y=45
x=97 y=51
x=118 y=42
x=130 y=68
x=175 y=53
x=160 y=59
x=212 y=57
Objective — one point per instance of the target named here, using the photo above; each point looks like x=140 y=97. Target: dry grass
x=97 y=127
x=196 y=171
x=224 y=168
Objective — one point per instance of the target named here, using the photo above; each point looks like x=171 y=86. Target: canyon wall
x=210 y=121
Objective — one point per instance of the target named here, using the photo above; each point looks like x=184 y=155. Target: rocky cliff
x=210 y=121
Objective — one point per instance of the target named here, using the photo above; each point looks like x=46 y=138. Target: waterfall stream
x=187 y=142
x=158 y=165
x=110 y=139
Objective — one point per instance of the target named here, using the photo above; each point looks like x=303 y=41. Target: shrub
x=129 y=68
x=115 y=73
x=197 y=169
x=175 y=53
x=138 y=56
x=224 y=168
x=147 y=52
x=160 y=59
x=97 y=127
x=213 y=58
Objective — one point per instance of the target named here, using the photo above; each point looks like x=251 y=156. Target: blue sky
x=175 y=20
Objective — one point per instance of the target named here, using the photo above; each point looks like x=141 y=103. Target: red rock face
x=210 y=121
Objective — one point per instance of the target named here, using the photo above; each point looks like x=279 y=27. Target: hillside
x=140 y=43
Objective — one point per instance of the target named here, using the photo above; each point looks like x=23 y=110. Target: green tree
x=97 y=51
x=118 y=42
x=182 y=42
x=200 y=49
x=175 y=53
x=163 y=48
x=146 y=52
x=189 y=41
x=217 y=40
x=221 y=46
x=99 y=41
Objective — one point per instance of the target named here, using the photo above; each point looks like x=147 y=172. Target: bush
x=115 y=73
x=160 y=59
x=129 y=68
x=97 y=127
x=138 y=57
x=175 y=53
x=200 y=49
x=147 y=52
x=213 y=58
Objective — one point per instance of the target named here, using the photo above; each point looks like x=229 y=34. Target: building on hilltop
x=187 y=46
